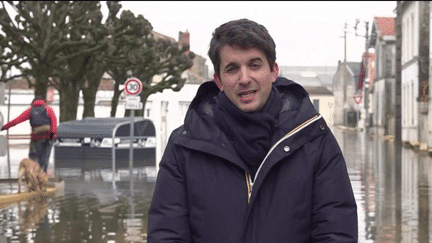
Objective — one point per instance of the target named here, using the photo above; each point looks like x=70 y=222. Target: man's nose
x=245 y=76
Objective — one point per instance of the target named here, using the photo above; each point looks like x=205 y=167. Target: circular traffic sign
x=133 y=86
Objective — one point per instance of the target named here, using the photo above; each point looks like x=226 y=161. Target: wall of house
x=409 y=92
x=338 y=93
x=167 y=110
x=383 y=107
x=343 y=99
x=378 y=105
x=326 y=107
x=410 y=32
x=409 y=89
x=390 y=96
x=383 y=89
x=385 y=59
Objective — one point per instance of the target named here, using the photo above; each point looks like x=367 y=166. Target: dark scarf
x=250 y=132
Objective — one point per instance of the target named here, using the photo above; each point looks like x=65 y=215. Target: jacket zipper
x=249 y=184
x=249 y=181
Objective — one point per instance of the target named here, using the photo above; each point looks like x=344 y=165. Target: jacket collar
x=296 y=108
x=199 y=124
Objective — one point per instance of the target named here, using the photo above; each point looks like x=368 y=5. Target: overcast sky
x=305 y=33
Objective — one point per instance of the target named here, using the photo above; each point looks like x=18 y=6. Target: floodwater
x=90 y=208
x=93 y=209
x=373 y=172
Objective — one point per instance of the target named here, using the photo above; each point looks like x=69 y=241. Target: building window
x=148 y=109
x=403 y=105
x=409 y=104
x=412 y=43
x=164 y=108
x=403 y=43
x=411 y=110
x=408 y=40
x=409 y=100
x=316 y=104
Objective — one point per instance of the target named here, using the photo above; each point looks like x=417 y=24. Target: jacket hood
x=296 y=109
x=38 y=103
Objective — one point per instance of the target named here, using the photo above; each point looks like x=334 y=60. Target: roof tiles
x=386 y=26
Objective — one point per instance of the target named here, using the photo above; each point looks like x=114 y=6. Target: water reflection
x=91 y=209
x=86 y=211
x=372 y=169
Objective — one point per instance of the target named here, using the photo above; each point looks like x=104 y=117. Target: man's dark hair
x=245 y=34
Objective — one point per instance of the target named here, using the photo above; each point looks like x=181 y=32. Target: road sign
x=357 y=98
x=133 y=86
x=133 y=103
x=133 y=99
x=134 y=106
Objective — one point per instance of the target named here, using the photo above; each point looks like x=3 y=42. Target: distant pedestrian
x=43 y=122
x=254 y=161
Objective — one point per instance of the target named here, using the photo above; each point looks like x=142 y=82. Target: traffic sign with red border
x=357 y=98
x=133 y=86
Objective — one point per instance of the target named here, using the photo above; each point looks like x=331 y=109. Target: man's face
x=245 y=77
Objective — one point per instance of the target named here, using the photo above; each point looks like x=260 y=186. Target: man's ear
x=275 y=72
x=218 y=81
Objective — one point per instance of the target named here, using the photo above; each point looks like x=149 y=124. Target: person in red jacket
x=44 y=128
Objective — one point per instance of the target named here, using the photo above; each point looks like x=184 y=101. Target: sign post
x=133 y=88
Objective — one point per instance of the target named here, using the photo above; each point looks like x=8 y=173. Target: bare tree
x=135 y=52
x=52 y=44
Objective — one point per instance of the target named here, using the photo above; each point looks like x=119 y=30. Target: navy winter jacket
x=301 y=192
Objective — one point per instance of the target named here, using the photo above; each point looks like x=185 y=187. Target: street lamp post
x=344 y=99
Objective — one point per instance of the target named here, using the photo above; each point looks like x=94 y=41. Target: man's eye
x=230 y=69
x=255 y=65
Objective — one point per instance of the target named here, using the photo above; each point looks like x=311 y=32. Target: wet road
x=373 y=173
x=85 y=211
x=89 y=209
x=92 y=209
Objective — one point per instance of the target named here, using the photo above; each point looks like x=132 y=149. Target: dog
x=35 y=177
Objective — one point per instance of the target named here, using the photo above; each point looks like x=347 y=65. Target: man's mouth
x=247 y=95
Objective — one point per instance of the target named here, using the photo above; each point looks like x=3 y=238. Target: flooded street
x=373 y=174
x=86 y=211
x=89 y=209
x=93 y=209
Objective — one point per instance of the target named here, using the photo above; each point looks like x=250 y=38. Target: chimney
x=184 y=39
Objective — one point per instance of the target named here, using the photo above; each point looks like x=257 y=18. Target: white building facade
x=383 y=89
x=410 y=71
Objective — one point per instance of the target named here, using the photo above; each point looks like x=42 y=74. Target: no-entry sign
x=133 y=86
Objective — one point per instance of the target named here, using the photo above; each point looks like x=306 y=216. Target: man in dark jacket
x=254 y=161
x=44 y=128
